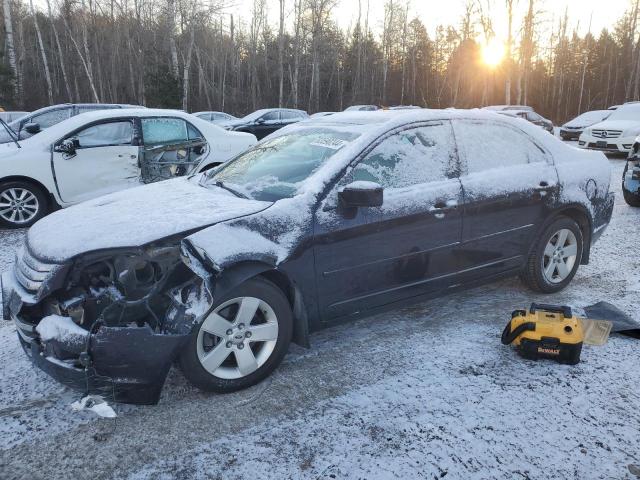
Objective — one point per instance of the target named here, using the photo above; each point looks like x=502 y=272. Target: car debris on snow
x=96 y=404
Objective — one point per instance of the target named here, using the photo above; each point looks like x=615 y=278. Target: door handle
x=543 y=185
x=440 y=207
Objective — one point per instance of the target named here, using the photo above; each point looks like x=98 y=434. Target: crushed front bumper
x=123 y=364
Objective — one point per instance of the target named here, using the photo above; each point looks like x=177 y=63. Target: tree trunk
x=11 y=51
x=87 y=71
x=281 y=57
x=509 y=61
x=63 y=69
x=171 y=7
x=43 y=54
x=187 y=70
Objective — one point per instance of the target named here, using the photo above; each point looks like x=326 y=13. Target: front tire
x=21 y=204
x=241 y=340
x=555 y=257
x=632 y=199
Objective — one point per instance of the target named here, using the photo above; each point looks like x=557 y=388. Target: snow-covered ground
x=423 y=392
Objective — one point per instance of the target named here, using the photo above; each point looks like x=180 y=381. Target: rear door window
x=163 y=130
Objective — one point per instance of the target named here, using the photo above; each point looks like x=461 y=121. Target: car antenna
x=11 y=133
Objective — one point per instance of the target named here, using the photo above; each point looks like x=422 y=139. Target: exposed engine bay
x=178 y=159
x=151 y=288
x=137 y=309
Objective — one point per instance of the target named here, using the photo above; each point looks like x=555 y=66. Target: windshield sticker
x=329 y=142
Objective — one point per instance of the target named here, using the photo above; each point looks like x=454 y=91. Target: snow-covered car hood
x=616 y=125
x=135 y=217
x=234 y=123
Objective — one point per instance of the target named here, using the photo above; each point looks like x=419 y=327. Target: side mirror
x=260 y=121
x=361 y=194
x=68 y=146
x=32 y=128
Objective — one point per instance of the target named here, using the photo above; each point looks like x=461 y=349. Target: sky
x=448 y=12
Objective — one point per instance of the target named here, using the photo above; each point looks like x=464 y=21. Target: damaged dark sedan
x=324 y=221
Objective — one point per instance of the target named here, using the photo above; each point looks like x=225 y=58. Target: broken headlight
x=125 y=288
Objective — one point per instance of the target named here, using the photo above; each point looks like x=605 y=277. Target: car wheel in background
x=241 y=340
x=631 y=198
x=21 y=204
x=555 y=257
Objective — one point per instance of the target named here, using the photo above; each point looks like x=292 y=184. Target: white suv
x=100 y=152
x=617 y=133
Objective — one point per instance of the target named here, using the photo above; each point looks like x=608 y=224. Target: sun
x=493 y=52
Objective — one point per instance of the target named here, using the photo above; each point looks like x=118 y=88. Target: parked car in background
x=617 y=133
x=405 y=107
x=631 y=176
x=361 y=108
x=321 y=223
x=12 y=116
x=266 y=121
x=103 y=151
x=530 y=116
x=321 y=114
x=573 y=129
x=500 y=108
x=215 y=117
x=41 y=119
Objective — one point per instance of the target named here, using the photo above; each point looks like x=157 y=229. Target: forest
x=211 y=55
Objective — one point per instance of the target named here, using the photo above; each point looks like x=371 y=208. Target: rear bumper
x=124 y=364
x=603 y=212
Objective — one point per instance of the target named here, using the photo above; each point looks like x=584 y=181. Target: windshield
x=626 y=112
x=588 y=118
x=255 y=115
x=276 y=168
x=5 y=136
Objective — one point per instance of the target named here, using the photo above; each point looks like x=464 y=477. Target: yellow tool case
x=546 y=331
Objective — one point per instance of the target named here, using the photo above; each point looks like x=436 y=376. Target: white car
x=617 y=133
x=100 y=152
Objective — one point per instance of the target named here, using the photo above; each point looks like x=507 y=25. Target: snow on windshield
x=627 y=112
x=254 y=115
x=275 y=168
x=589 y=118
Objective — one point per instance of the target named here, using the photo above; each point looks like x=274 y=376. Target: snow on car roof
x=373 y=124
x=59 y=130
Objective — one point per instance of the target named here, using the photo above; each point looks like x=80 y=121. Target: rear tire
x=241 y=340
x=21 y=204
x=631 y=198
x=555 y=257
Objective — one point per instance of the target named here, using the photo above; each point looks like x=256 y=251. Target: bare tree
x=43 y=53
x=10 y=46
x=281 y=56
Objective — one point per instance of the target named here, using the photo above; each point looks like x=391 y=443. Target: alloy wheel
x=237 y=337
x=560 y=256
x=18 y=205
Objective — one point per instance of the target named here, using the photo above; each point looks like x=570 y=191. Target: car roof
x=77 y=121
x=508 y=108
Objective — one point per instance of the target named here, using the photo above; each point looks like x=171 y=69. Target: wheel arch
x=581 y=216
x=53 y=203
x=233 y=276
